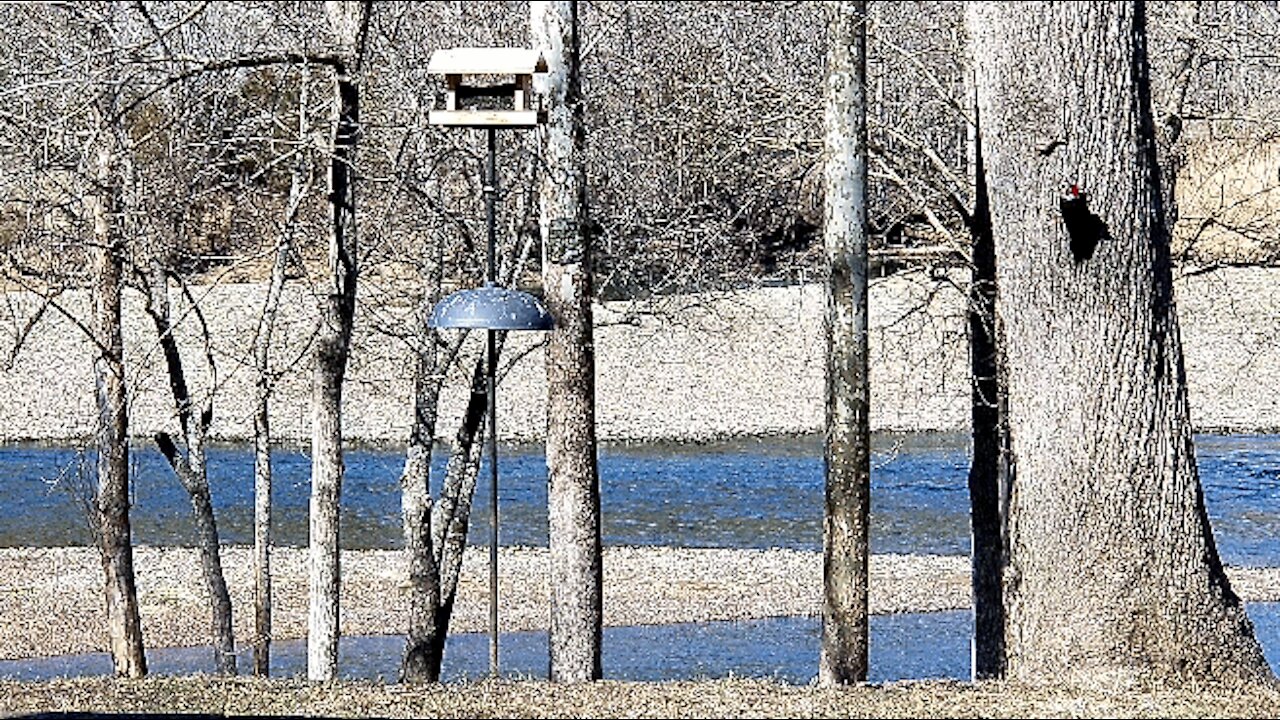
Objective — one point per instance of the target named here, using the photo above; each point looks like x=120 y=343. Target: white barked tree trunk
x=348 y=22
x=573 y=490
x=848 y=430
x=111 y=501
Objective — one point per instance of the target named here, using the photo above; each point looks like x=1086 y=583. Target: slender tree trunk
x=573 y=494
x=191 y=478
x=349 y=21
x=452 y=513
x=987 y=474
x=191 y=469
x=424 y=645
x=1172 y=72
x=262 y=520
x=848 y=436
x=112 y=500
x=436 y=533
x=1113 y=576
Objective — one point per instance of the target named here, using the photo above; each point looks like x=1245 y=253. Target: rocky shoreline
x=688 y=368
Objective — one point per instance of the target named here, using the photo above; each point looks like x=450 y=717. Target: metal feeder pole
x=490 y=191
x=490 y=307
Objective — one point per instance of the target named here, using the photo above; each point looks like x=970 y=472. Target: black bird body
x=1084 y=228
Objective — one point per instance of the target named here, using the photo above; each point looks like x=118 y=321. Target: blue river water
x=912 y=646
x=745 y=494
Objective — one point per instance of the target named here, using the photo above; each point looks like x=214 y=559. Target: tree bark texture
x=451 y=515
x=262 y=480
x=848 y=436
x=432 y=598
x=1113 y=576
x=349 y=21
x=424 y=645
x=573 y=490
x=115 y=541
x=989 y=469
x=190 y=468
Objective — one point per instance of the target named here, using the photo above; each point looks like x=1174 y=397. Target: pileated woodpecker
x=1084 y=228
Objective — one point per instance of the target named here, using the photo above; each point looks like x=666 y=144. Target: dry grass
x=717 y=698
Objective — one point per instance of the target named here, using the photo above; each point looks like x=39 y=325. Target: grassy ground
x=718 y=698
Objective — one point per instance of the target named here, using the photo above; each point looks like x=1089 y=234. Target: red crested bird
x=1084 y=228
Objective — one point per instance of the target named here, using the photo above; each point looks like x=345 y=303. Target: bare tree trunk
x=446 y=530
x=262 y=536
x=424 y=645
x=112 y=501
x=191 y=469
x=262 y=521
x=573 y=494
x=326 y=486
x=349 y=21
x=1113 y=576
x=452 y=513
x=988 y=471
x=848 y=436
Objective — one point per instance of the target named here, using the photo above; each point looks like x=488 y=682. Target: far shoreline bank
x=696 y=369
x=807 y=440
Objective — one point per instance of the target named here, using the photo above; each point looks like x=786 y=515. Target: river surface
x=909 y=646
x=742 y=494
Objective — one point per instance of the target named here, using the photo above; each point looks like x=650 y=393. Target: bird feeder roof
x=486 y=61
x=493 y=308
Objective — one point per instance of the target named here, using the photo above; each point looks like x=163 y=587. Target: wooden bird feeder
x=487 y=87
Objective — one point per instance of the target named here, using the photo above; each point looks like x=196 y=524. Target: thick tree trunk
x=326 y=487
x=988 y=472
x=349 y=21
x=848 y=436
x=573 y=490
x=1113 y=576
x=115 y=542
x=190 y=470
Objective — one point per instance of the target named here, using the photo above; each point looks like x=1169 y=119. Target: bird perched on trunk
x=1084 y=228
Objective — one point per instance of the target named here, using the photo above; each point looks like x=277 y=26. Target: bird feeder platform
x=487 y=87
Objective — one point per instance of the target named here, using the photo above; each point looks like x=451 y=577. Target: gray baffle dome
x=491 y=308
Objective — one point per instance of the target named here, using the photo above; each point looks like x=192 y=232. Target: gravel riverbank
x=51 y=598
x=690 y=368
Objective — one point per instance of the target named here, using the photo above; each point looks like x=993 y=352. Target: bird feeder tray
x=487 y=87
